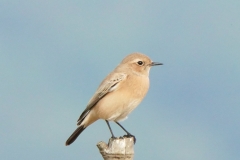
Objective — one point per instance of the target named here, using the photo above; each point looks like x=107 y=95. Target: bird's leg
x=128 y=134
x=110 y=129
x=123 y=128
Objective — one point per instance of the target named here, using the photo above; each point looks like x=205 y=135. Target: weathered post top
x=117 y=148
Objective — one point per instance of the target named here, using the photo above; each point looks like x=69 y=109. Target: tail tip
x=74 y=135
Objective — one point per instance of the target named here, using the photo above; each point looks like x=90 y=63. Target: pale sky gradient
x=54 y=54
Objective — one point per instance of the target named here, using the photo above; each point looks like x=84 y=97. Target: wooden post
x=117 y=149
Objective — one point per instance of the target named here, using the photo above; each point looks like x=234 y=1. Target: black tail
x=74 y=135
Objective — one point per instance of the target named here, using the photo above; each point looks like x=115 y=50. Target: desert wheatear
x=118 y=94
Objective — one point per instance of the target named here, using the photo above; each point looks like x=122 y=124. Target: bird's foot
x=129 y=136
x=113 y=137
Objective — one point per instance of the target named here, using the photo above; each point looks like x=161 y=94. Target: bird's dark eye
x=140 y=63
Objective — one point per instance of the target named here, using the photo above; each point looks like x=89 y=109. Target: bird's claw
x=129 y=136
x=114 y=137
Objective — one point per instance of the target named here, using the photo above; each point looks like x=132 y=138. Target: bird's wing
x=105 y=87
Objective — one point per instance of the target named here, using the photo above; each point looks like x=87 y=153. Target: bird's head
x=138 y=63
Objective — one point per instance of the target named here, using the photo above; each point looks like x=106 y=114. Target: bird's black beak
x=155 y=64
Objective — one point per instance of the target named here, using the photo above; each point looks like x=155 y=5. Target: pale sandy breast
x=118 y=104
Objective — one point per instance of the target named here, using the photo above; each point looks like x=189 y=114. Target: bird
x=118 y=94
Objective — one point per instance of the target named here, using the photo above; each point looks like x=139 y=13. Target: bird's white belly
x=122 y=113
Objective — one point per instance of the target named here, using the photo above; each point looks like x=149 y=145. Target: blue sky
x=54 y=54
